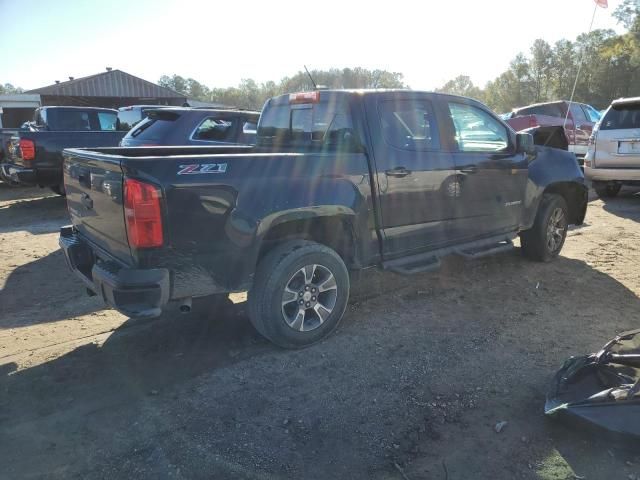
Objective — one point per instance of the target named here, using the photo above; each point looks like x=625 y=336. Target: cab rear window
x=622 y=117
x=320 y=125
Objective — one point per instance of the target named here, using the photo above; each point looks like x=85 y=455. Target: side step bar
x=429 y=261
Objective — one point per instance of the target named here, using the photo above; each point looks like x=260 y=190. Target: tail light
x=27 y=150
x=142 y=214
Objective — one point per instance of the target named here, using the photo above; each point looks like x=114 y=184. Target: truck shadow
x=31 y=209
x=625 y=205
x=142 y=371
x=43 y=291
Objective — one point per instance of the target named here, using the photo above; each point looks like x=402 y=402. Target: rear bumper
x=44 y=177
x=612 y=174
x=17 y=174
x=133 y=292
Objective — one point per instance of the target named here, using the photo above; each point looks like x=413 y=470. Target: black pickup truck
x=34 y=155
x=339 y=181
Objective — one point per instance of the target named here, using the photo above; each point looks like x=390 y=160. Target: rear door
x=415 y=176
x=491 y=175
x=618 y=141
x=95 y=201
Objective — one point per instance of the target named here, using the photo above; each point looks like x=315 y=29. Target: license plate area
x=631 y=147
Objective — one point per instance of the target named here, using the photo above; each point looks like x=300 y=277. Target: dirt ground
x=410 y=386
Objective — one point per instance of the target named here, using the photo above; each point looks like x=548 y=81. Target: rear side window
x=409 y=124
x=107 y=120
x=477 y=130
x=155 y=127
x=323 y=125
x=214 y=130
x=622 y=117
x=549 y=110
x=129 y=118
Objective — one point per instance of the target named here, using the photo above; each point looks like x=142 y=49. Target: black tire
x=607 y=190
x=59 y=190
x=276 y=271
x=541 y=243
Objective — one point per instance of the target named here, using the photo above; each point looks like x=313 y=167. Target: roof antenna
x=311 y=78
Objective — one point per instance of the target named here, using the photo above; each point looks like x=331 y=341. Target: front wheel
x=545 y=239
x=299 y=294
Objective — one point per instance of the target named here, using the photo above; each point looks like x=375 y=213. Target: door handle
x=398 y=172
x=469 y=169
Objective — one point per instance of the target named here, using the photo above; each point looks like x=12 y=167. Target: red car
x=580 y=122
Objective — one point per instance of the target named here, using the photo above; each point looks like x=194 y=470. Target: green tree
x=174 y=82
x=8 y=89
x=462 y=85
x=541 y=69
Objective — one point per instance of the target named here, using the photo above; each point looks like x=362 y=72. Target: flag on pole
x=602 y=3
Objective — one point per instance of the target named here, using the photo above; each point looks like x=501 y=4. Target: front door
x=415 y=176
x=492 y=176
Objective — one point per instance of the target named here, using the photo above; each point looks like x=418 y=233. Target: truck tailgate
x=95 y=201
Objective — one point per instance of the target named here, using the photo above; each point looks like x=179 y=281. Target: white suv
x=613 y=158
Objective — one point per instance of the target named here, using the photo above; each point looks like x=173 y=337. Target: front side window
x=477 y=130
x=409 y=124
x=592 y=114
x=214 y=130
x=107 y=120
x=577 y=114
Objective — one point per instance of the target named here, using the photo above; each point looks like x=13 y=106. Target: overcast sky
x=221 y=42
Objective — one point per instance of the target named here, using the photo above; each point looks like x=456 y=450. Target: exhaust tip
x=185 y=306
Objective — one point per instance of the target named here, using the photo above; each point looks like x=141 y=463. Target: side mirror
x=524 y=143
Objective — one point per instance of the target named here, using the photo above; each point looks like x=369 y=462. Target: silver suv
x=613 y=158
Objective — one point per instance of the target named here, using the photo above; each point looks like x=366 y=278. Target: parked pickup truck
x=580 y=121
x=34 y=156
x=339 y=181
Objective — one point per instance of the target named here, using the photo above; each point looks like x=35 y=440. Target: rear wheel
x=607 y=190
x=545 y=239
x=300 y=293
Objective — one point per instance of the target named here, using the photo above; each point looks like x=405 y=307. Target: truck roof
x=366 y=92
x=78 y=108
x=625 y=101
x=204 y=109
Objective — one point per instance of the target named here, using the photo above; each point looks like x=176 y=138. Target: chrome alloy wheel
x=556 y=229
x=309 y=297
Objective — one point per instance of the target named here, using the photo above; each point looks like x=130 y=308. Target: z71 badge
x=198 y=168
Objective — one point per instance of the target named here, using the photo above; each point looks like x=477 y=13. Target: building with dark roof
x=113 y=89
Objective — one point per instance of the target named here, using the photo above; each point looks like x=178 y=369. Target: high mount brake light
x=304 y=97
x=142 y=214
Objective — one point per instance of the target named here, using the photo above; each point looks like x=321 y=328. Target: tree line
x=252 y=95
x=610 y=69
